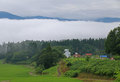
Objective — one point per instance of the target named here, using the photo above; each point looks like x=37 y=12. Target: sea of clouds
x=44 y=29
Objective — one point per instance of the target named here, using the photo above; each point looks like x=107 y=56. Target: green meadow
x=20 y=73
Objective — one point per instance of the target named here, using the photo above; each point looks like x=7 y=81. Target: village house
x=76 y=55
x=88 y=54
x=67 y=53
x=103 y=56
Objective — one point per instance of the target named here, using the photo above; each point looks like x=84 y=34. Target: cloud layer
x=19 y=30
x=76 y=9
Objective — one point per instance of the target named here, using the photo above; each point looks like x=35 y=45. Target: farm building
x=103 y=56
x=67 y=53
x=76 y=55
x=88 y=54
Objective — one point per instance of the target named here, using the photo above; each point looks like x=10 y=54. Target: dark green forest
x=26 y=51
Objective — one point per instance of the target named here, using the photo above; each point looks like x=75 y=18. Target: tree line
x=26 y=51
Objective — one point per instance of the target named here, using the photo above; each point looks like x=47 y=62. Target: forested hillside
x=27 y=50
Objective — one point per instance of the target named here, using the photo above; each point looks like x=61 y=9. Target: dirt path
x=59 y=73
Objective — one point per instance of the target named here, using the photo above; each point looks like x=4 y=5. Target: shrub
x=87 y=58
x=72 y=73
x=39 y=69
x=69 y=64
x=117 y=57
x=118 y=77
x=33 y=64
x=51 y=71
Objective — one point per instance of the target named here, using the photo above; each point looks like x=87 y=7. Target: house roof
x=76 y=55
x=103 y=56
x=88 y=54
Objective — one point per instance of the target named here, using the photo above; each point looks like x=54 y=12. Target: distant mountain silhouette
x=108 y=19
x=9 y=15
x=12 y=16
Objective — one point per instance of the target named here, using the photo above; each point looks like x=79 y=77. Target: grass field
x=19 y=73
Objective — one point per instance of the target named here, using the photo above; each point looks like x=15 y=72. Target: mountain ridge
x=8 y=15
x=12 y=16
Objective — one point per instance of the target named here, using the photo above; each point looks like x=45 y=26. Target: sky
x=44 y=29
x=75 y=9
x=39 y=29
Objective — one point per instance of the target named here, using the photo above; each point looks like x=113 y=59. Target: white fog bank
x=35 y=29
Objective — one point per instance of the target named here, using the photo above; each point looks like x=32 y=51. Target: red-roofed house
x=88 y=54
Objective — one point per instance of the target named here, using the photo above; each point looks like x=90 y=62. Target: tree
x=48 y=57
x=112 y=43
x=19 y=56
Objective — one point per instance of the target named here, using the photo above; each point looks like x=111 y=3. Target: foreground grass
x=19 y=73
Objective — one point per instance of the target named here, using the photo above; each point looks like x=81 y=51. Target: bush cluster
x=117 y=77
x=39 y=69
x=72 y=73
x=117 y=57
x=97 y=66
